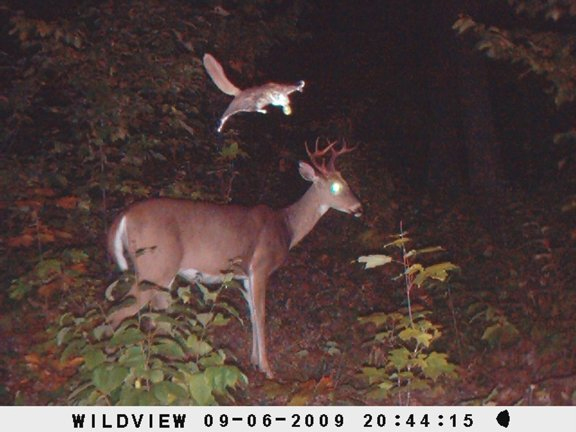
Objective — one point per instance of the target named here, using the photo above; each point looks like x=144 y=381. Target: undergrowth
x=402 y=359
x=154 y=358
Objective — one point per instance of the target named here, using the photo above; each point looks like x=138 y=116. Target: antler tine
x=316 y=156
x=317 y=152
x=338 y=152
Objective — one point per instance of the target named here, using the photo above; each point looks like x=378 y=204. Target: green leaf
x=209 y=296
x=399 y=357
x=377 y=318
x=184 y=294
x=222 y=377
x=492 y=334
x=132 y=356
x=109 y=378
x=156 y=375
x=81 y=392
x=436 y=271
x=200 y=390
x=220 y=320
x=427 y=250
x=232 y=152
x=205 y=318
x=398 y=242
x=93 y=357
x=130 y=396
x=74 y=348
x=383 y=335
x=101 y=331
x=409 y=333
x=437 y=364
x=78 y=255
x=405 y=375
x=419 y=384
x=146 y=398
x=94 y=398
x=372 y=261
x=501 y=332
x=374 y=375
x=167 y=392
x=214 y=358
x=170 y=349
x=425 y=339
x=63 y=336
x=380 y=393
x=20 y=288
x=67 y=319
x=48 y=267
x=127 y=336
x=386 y=385
x=414 y=268
x=198 y=347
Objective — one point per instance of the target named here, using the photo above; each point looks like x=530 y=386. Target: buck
x=198 y=241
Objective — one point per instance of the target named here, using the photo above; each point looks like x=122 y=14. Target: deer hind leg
x=159 y=300
x=147 y=269
x=255 y=294
x=141 y=299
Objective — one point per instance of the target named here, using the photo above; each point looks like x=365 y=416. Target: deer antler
x=317 y=156
x=338 y=152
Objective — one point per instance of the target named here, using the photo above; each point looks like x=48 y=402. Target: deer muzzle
x=357 y=211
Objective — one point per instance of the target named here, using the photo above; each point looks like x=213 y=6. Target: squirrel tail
x=217 y=74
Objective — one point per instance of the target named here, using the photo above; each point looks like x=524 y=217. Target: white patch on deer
x=195 y=275
x=323 y=209
x=119 y=237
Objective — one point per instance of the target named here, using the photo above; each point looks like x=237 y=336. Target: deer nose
x=357 y=211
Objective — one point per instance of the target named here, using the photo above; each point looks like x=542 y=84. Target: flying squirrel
x=253 y=99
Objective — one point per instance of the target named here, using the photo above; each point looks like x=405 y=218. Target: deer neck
x=301 y=216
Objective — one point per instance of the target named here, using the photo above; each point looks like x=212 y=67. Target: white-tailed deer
x=168 y=237
x=253 y=99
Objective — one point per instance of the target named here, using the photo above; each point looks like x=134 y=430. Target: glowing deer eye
x=335 y=188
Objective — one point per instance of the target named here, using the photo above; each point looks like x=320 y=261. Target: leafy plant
x=547 y=53
x=414 y=274
x=152 y=359
x=500 y=330
x=401 y=358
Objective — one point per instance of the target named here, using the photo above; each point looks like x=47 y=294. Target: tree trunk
x=446 y=170
x=463 y=142
x=484 y=158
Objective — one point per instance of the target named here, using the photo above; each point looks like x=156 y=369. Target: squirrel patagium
x=253 y=99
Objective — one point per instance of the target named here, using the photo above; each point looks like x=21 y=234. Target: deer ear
x=307 y=172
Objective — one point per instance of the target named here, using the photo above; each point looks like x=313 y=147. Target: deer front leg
x=255 y=295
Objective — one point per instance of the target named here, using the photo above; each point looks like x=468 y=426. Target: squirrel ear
x=307 y=172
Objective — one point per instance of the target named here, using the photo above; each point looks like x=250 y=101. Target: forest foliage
x=106 y=105
x=541 y=40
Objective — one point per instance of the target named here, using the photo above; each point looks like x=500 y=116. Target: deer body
x=167 y=237
x=253 y=99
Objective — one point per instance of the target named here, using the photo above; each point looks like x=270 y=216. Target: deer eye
x=335 y=188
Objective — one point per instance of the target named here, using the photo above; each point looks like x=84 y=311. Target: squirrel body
x=253 y=99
